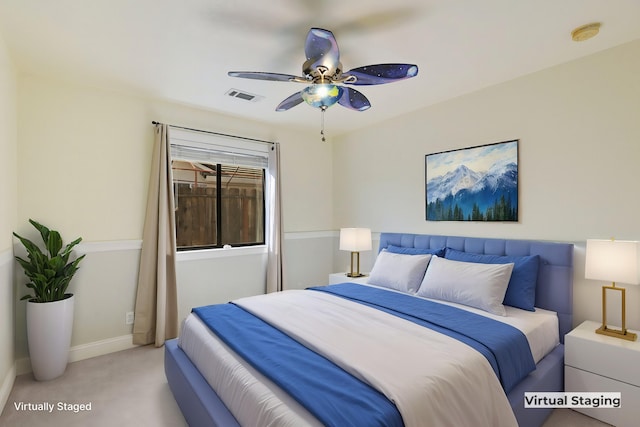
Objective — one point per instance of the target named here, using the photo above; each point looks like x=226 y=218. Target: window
x=219 y=190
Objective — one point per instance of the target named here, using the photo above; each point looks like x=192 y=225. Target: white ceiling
x=181 y=50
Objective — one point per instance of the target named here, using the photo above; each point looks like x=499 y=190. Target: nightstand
x=598 y=363
x=335 y=278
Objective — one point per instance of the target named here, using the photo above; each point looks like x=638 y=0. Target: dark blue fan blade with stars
x=382 y=73
x=321 y=50
x=354 y=100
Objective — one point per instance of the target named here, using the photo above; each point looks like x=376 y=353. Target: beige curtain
x=156 y=312
x=275 y=234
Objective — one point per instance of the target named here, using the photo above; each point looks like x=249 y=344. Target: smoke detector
x=585 y=32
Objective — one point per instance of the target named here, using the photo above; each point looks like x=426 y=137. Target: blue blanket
x=332 y=395
x=505 y=347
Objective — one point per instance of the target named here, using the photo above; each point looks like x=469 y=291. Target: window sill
x=220 y=253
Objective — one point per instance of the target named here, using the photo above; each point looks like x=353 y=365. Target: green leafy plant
x=49 y=272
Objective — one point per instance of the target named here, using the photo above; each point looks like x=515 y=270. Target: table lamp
x=355 y=240
x=614 y=261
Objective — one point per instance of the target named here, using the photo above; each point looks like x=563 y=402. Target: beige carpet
x=124 y=389
x=129 y=389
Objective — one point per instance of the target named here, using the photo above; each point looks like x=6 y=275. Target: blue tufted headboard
x=554 y=289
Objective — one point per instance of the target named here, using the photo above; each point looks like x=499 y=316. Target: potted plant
x=49 y=306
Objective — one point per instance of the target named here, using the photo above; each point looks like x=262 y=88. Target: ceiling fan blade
x=381 y=73
x=321 y=49
x=257 y=75
x=354 y=100
x=290 y=102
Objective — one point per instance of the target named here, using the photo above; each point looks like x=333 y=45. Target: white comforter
x=434 y=380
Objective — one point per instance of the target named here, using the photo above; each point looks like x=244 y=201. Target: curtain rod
x=215 y=133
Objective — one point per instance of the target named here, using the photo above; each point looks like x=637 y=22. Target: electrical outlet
x=129 y=318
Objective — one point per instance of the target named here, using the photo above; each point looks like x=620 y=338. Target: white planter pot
x=49 y=327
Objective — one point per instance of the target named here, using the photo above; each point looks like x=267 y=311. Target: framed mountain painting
x=473 y=184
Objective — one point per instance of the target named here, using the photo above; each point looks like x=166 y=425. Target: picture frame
x=473 y=184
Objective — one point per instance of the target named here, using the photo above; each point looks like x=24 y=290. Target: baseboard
x=7 y=385
x=86 y=351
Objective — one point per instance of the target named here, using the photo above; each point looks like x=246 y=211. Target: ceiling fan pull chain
x=322 y=123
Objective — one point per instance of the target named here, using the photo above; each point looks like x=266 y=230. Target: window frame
x=243 y=152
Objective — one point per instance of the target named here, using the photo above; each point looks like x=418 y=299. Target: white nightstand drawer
x=607 y=356
x=577 y=380
x=598 y=363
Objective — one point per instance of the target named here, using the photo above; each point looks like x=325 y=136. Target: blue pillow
x=415 y=251
x=521 y=292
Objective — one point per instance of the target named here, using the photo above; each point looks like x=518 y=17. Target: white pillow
x=477 y=285
x=400 y=272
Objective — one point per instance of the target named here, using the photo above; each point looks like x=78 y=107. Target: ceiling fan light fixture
x=322 y=96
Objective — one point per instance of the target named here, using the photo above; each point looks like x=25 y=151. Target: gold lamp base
x=604 y=329
x=356 y=272
x=617 y=333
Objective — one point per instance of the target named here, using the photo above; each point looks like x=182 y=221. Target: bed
x=203 y=406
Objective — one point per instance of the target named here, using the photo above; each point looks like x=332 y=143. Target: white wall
x=579 y=131
x=222 y=277
x=83 y=167
x=83 y=157
x=309 y=258
x=8 y=201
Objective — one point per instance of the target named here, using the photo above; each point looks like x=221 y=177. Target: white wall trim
x=86 y=351
x=298 y=235
x=311 y=235
x=250 y=250
x=220 y=253
x=88 y=247
x=7 y=385
x=102 y=347
x=136 y=245
x=110 y=246
x=132 y=245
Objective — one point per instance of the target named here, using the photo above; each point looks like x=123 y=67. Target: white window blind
x=214 y=148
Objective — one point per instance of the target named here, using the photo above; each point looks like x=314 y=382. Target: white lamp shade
x=613 y=261
x=355 y=239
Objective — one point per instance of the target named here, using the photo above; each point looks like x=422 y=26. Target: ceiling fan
x=323 y=73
